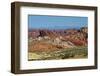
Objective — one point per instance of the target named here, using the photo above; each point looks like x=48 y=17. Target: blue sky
x=56 y=22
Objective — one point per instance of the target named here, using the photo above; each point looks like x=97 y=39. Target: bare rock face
x=33 y=33
x=74 y=36
x=47 y=33
x=84 y=29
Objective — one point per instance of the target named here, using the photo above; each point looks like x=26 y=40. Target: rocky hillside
x=57 y=44
x=77 y=37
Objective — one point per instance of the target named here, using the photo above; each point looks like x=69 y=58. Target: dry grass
x=70 y=53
